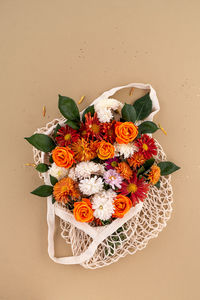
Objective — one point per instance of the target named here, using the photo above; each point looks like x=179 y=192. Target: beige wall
x=80 y=48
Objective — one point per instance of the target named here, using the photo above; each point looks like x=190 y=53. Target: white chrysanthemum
x=85 y=169
x=102 y=204
x=90 y=186
x=72 y=174
x=58 y=172
x=104 y=115
x=125 y=149
x=105 y=107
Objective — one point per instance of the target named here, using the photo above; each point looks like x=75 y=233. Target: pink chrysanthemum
x=112 y=178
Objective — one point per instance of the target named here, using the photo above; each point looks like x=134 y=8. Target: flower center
x=110 y=132
x=145 y=147
x=95 y=128
x=113 y=163
x=132 y=188
x=84 y=132
x=112 y=177
x=101 y=207
x=64 y=189
x=67 y=137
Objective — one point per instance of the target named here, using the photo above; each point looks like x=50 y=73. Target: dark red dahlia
x=66 y=135
x=108 y=130
x=83 y=131
x=137 y=188
x=146 y=146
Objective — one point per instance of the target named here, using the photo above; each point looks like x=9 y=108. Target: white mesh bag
x=95 y=247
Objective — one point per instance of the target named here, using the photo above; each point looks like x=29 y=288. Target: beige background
x=80 y=48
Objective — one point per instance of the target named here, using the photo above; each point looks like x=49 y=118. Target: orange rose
x=125 y=132
x=122 y=205
x=83 y=211
x=63 y=157
x=105 y=150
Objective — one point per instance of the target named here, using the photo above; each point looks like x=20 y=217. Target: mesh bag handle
x=97 y=237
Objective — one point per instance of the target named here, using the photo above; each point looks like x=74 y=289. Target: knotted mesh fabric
x=131 y=236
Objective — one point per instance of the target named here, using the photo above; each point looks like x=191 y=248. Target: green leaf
x=148 y=163
x=146 y=166
x=143 y=107
x=128 y=113
x=167 y=167
x=53 y=180
x=140 y=171
x=42 y=142
x=56 y=130
x=51 y=159
x=87 y=110
x=147 y=127
x=43 y=191
x=53 y=200
x=73 y=124
x=68 y=108
x=158 y=184
x=42 y=168
x=106 y=222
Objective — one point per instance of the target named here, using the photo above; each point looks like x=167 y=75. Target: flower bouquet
x=105 y=177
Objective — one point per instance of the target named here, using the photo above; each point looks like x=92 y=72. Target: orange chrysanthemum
x=83 y=150
x=66 y=189
x=136 y=160
x=154 y=174
x=124 y=170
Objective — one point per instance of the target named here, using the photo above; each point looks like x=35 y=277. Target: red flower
x=93 y=126
x=137 y=188
x=146 y=146
x=108 y=130
x=66 y=135
x=83 y=131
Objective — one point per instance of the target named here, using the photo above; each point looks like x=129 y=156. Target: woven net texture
x=134 y=234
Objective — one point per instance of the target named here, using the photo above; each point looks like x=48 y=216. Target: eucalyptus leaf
x=87 y=110
x=143 y=107
x=42 y=168
x=53 y=180
x=73 y=124
x=128 y=113
x=147 y=127
x=43 y=191
x=68 y=108
x=41 y=142
x=167 y=167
